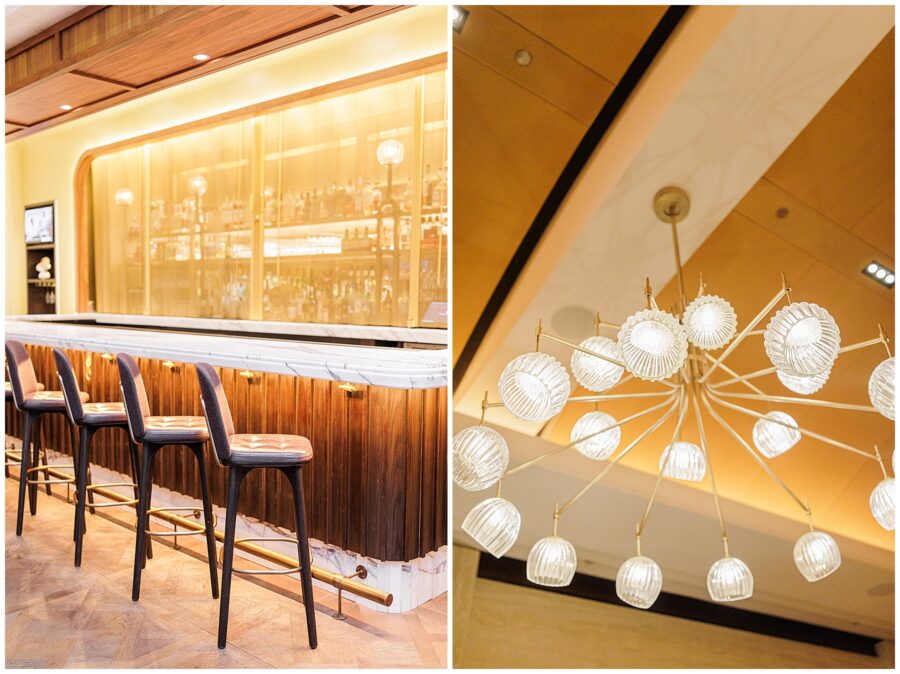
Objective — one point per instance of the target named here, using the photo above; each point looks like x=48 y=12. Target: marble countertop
x=375 y=332
x=377 y=366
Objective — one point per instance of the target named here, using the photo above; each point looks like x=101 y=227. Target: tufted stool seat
x=105 y=413
x=241 y=453
x=154 y=433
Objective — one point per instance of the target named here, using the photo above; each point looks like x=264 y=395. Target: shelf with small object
x=40 y=281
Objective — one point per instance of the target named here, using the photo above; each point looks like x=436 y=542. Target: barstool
x=241 y=454
x=89 y=418
x=14 y=458
x=34 y=403
x=154 y=433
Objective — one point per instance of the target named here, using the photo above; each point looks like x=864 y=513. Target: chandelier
x=675 y=351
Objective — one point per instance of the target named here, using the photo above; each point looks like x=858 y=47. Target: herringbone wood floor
x=61 y=616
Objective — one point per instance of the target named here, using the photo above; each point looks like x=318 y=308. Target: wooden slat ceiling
x=515 y=127
x=104 y=55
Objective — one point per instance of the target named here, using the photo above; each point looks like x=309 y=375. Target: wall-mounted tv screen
x=39 y=224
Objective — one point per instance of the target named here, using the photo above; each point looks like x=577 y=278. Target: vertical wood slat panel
x=377 y=482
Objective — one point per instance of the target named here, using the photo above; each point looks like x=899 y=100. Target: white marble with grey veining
x=376 y=366
x=375 y=332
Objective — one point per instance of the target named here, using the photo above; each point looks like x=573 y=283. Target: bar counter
x=376 y=418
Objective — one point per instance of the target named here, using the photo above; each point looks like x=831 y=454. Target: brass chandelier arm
x=601 y=397
x=712 y=478
x=684 y=401
x=800 y=401
x=743 y=380
x=557 y=450
x=560 y=340
x=803 y=431
x=771 y=473
x=634 y=443
x=747 y=328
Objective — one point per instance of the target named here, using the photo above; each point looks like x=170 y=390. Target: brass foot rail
x=362 y=573
x=261 y=572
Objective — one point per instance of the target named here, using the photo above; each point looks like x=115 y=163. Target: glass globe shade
x=729 y=579
x=123 y=197
x=803 y=384
x=816 y=555
x=389 y=152
x=600 y=446
x=551 y=562
x=197 y=185
x=596 y=374
x=685 y=462
x=773 y=438
x=652 y=344
x=710 y=322
x=881 y=503
x=639 y=582
x=881 y=388
x=534 y=386
x=480 y=457
x=802 y=339
x=494 y=524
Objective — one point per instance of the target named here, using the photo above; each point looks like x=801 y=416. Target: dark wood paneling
x=376 y=485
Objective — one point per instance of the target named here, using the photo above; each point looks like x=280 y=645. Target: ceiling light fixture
x=65 y=106
x=458 y=16
x=524 y=57
x=674 y=350
x=201 y=57
x=880 y=273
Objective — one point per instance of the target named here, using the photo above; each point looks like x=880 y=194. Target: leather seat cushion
x=175 y=429
x=49 y=401
x=8 y=388
x=255 y=449
x=104 y=413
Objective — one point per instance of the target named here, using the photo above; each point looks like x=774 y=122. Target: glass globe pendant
x=803 y=384
x=685 y=462
x=652 y=344
x=600 y=446
x=639 y=582
x=480 y=457
x=534 y=386
x=881 y=388
x=816 y=555
x=710 y=322
x=881 y=503
x=596 y=374
x=729 y=579
x=551 y=562
x=494 y=524
x=772 y=438
x=802 y=339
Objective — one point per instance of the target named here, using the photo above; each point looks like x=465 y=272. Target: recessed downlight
x=878 y=272
x=201 y=57
x=524 y=57
x=458 y=17
x=65 y=106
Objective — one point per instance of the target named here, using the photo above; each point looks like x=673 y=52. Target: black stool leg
x=207 y=515
x=43 y=452
x=235 y=476
x=81 y=485
x=35 y=461
x=294 y=475
x=149 y=455
x=136 y=476
x=26 y=459
x=149 y=504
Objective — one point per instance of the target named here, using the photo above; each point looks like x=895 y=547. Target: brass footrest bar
x=320 y=574
x=197 y=512
x=262 y=572
x=64 y=478
x=111 y=504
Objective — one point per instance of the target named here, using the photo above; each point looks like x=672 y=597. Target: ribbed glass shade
x=551 y=562
x=802 y=339
x=480 y=457
x=534 y=386
x=600 y=446
x=729 y=579
x=596 y=374
x=494 y=524
x=389 y=152
x=881 y=503
x=773 y=438
x=881 y=388
x=803 y=384
x=652 y=344
x=639 y=582
x=816 y=555
x=685 y=462
x=710 y=322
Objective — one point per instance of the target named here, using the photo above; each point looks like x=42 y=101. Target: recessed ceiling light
x=523 y=57
x=65 y=106
x=880 y=273
x=201 y=57
x=459 y=16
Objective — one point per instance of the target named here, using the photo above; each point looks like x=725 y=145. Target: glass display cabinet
x=331 y=209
